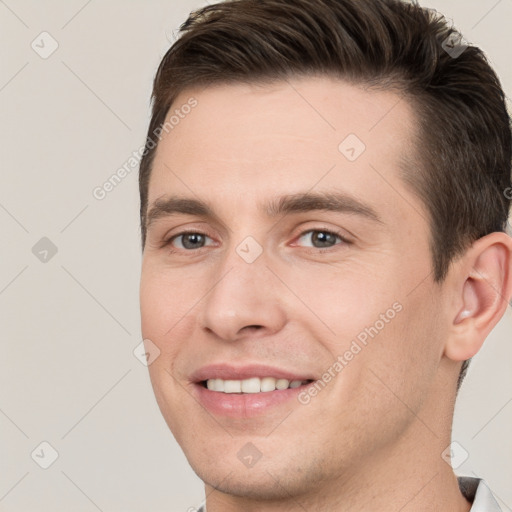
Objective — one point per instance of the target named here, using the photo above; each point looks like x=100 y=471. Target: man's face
x=270 y=282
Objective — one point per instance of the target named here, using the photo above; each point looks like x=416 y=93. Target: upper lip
x=231 y=372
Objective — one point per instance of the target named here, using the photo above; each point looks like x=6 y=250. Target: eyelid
x=323 y=229
x=167 y=240
x=324 y=224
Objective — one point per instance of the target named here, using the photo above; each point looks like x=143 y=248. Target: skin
x=372 y=438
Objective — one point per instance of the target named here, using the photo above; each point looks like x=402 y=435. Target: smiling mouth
x=252 y=385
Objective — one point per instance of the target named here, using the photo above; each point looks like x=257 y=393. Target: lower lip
x=245 y=405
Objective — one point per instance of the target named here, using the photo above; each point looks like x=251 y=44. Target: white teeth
x=252 y=385
x=232 y=386
x=268 y=384
x=282 y=384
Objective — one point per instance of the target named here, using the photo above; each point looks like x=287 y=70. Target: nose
x=243 y=300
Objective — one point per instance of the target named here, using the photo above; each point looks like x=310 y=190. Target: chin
x=257 y=484
x=275 y=476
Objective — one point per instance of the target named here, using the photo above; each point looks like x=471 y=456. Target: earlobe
x=485 y=287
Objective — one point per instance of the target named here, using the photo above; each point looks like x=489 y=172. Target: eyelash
x=168 y=242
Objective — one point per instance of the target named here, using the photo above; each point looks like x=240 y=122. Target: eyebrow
x=292 y=203
x=328 y=201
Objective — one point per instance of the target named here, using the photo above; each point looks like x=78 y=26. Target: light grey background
x=68 y=375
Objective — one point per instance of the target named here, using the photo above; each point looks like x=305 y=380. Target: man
x=323 y=215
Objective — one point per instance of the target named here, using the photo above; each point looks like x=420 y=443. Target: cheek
x=404 y=359
x=165 y=299
x=169 y=302
x=377 y=325
x=346 y=300
x=163 y=307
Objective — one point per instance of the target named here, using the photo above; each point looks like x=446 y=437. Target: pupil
x=193 y=240
x=323 y=239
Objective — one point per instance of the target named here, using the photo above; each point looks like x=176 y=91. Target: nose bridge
x=241 y=294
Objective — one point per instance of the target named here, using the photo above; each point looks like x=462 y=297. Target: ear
x=483 y=288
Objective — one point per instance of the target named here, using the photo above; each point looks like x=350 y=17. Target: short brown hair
x=464 y=146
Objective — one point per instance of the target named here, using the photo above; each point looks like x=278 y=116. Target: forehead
x=284 y=137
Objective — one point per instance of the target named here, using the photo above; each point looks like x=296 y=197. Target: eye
x=320 y=239
x=190 y=241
